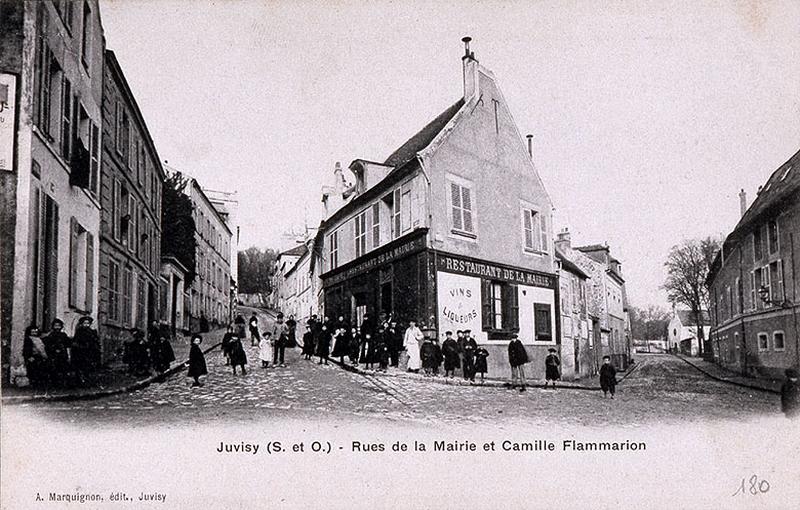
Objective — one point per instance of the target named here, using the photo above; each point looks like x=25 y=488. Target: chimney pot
x=742 y=202
x=466 y=41
x=530 y=145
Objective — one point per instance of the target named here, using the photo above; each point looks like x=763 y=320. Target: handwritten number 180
x=753 y=486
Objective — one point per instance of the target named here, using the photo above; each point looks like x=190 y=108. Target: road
x=663 y=389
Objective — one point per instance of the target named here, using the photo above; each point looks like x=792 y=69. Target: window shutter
x=466 y=204
x=66 y=117
x=376 y=225
x=396 y=203
x=486 y=304
x=89 y=305
x=543 y=224
x=51 y=269
x=510 y=307
x=455 y=197
x=73 y=262
x=527 y=224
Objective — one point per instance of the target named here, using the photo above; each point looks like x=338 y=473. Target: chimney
x=742 y=202
x=564 y=240
x=338 y=180
x=530 y=146
x=470 y=66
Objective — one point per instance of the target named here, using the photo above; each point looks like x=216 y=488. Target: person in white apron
x=411 y=342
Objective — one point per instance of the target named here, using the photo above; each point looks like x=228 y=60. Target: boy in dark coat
x=480 y=362
x=227 y=340
x=382 y=353
x=324 y=343
x=238 y=356
x=308 y=341
x=552 y=368
x=197 y=361
x=608 y=377
x=790 y=405
x=517 y=357
x=355 y=345
x=427 y=352
x=452 y=360
x=34 y=354
x=470 y=346
x=86 y=349
x=437 y=356
x=56 y=344
x=163 y=354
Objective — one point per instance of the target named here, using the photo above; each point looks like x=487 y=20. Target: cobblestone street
x=662 y=389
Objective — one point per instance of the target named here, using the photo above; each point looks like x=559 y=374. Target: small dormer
x=368 y=174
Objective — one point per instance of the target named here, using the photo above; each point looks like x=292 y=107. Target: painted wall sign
x=379 y=259
x=459 y=299
x=8 y=119
x=459 y=265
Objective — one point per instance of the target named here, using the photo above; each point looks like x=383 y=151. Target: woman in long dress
x=411 y=343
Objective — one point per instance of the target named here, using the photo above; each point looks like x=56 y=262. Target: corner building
x=453 y=229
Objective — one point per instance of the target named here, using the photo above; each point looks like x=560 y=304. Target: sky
x=648 y=117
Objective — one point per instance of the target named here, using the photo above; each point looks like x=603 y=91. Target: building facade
x=173 y=299
x=577 y=345
x=683 y=335
x=753 y=281
x=210 y=291
x=132 y=178
x=433 y=234
x=51 y=76
x=284 y=287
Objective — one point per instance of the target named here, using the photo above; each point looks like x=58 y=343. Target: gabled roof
x=592 y=247
x=569 y=265
x=687 y=319
x=297 y=251
x=422 y=138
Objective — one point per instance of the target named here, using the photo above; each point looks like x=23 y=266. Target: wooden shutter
x=527 y=226
x=376 y=225
x=512 y=323
x=486 y=304
x=89 y=304
x=66 y=118
x=543 y=224
x=74 y=232
x=51 y=262
x=397 y=219
x=455 y=197
x=466 y=208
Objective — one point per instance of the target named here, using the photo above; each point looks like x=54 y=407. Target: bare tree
x=687 y=267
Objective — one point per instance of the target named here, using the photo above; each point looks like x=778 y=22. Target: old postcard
x=399 y=254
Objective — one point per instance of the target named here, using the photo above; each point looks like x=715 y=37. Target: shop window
x=763 y=342
x=778 y=341
x=543 y=323
x=500 y=305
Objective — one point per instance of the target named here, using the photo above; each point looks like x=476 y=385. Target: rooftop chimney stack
x=338 y=179
x=564 y=240
x=470 y=66
x=742 y=202
x=530 y=146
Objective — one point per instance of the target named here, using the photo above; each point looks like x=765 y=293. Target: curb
x=489 y=383
x=728 y=381
x=138 y=385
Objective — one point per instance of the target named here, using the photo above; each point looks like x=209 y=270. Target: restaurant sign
x=459 y=265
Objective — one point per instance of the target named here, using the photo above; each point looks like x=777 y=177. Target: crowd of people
x=56 y=359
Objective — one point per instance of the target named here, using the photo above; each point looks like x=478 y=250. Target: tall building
x=754 y=281
x=51 y=79
x=130 y=197
x=210 y=291
x=453 y=229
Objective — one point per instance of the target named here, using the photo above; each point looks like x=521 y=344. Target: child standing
x=197 y=361
x=238 y=356
x=608 y=377
x=517 y=357
x=452 y=360
x=437 y=356
x=163 y=355
x=480 y=361
x=552 y=368
x=265 y=350
x=428 y=355
x=790 y=405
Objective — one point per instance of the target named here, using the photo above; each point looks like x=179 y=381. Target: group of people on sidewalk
x=143 y=353
x=57 y=359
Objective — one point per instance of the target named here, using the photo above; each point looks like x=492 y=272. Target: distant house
x=683 y=333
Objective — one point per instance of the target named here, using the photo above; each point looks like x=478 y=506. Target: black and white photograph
x=399 y=254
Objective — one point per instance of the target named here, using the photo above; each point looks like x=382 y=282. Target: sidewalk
x=591 y=384
x=111 y=380
x=719 y=373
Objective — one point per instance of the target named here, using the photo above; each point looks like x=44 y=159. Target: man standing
x=279 y=337
x=411 y=341
x=517 y=357
x=470 y=347
x=86 y=348
x=255 y=336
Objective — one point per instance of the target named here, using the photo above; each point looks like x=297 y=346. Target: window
x=66 y=119
x=126 y=297
x=141 y=303
x=773 y=238
x=778 y=341
x=534 y=228
x=500 y=304
x=123 y=134
x=461 y=208
x=392 y=201
x=763 y=342
x=753 y=291
x=85 y=41
x=131 y=226
x=361 y=234
x=333 y=243
x=376 y=225
x=113 y=291
x=405 y=205
x=81 y=267
x=757 y=248
x=739 y=296
x=776 y=281
x=542 y=322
